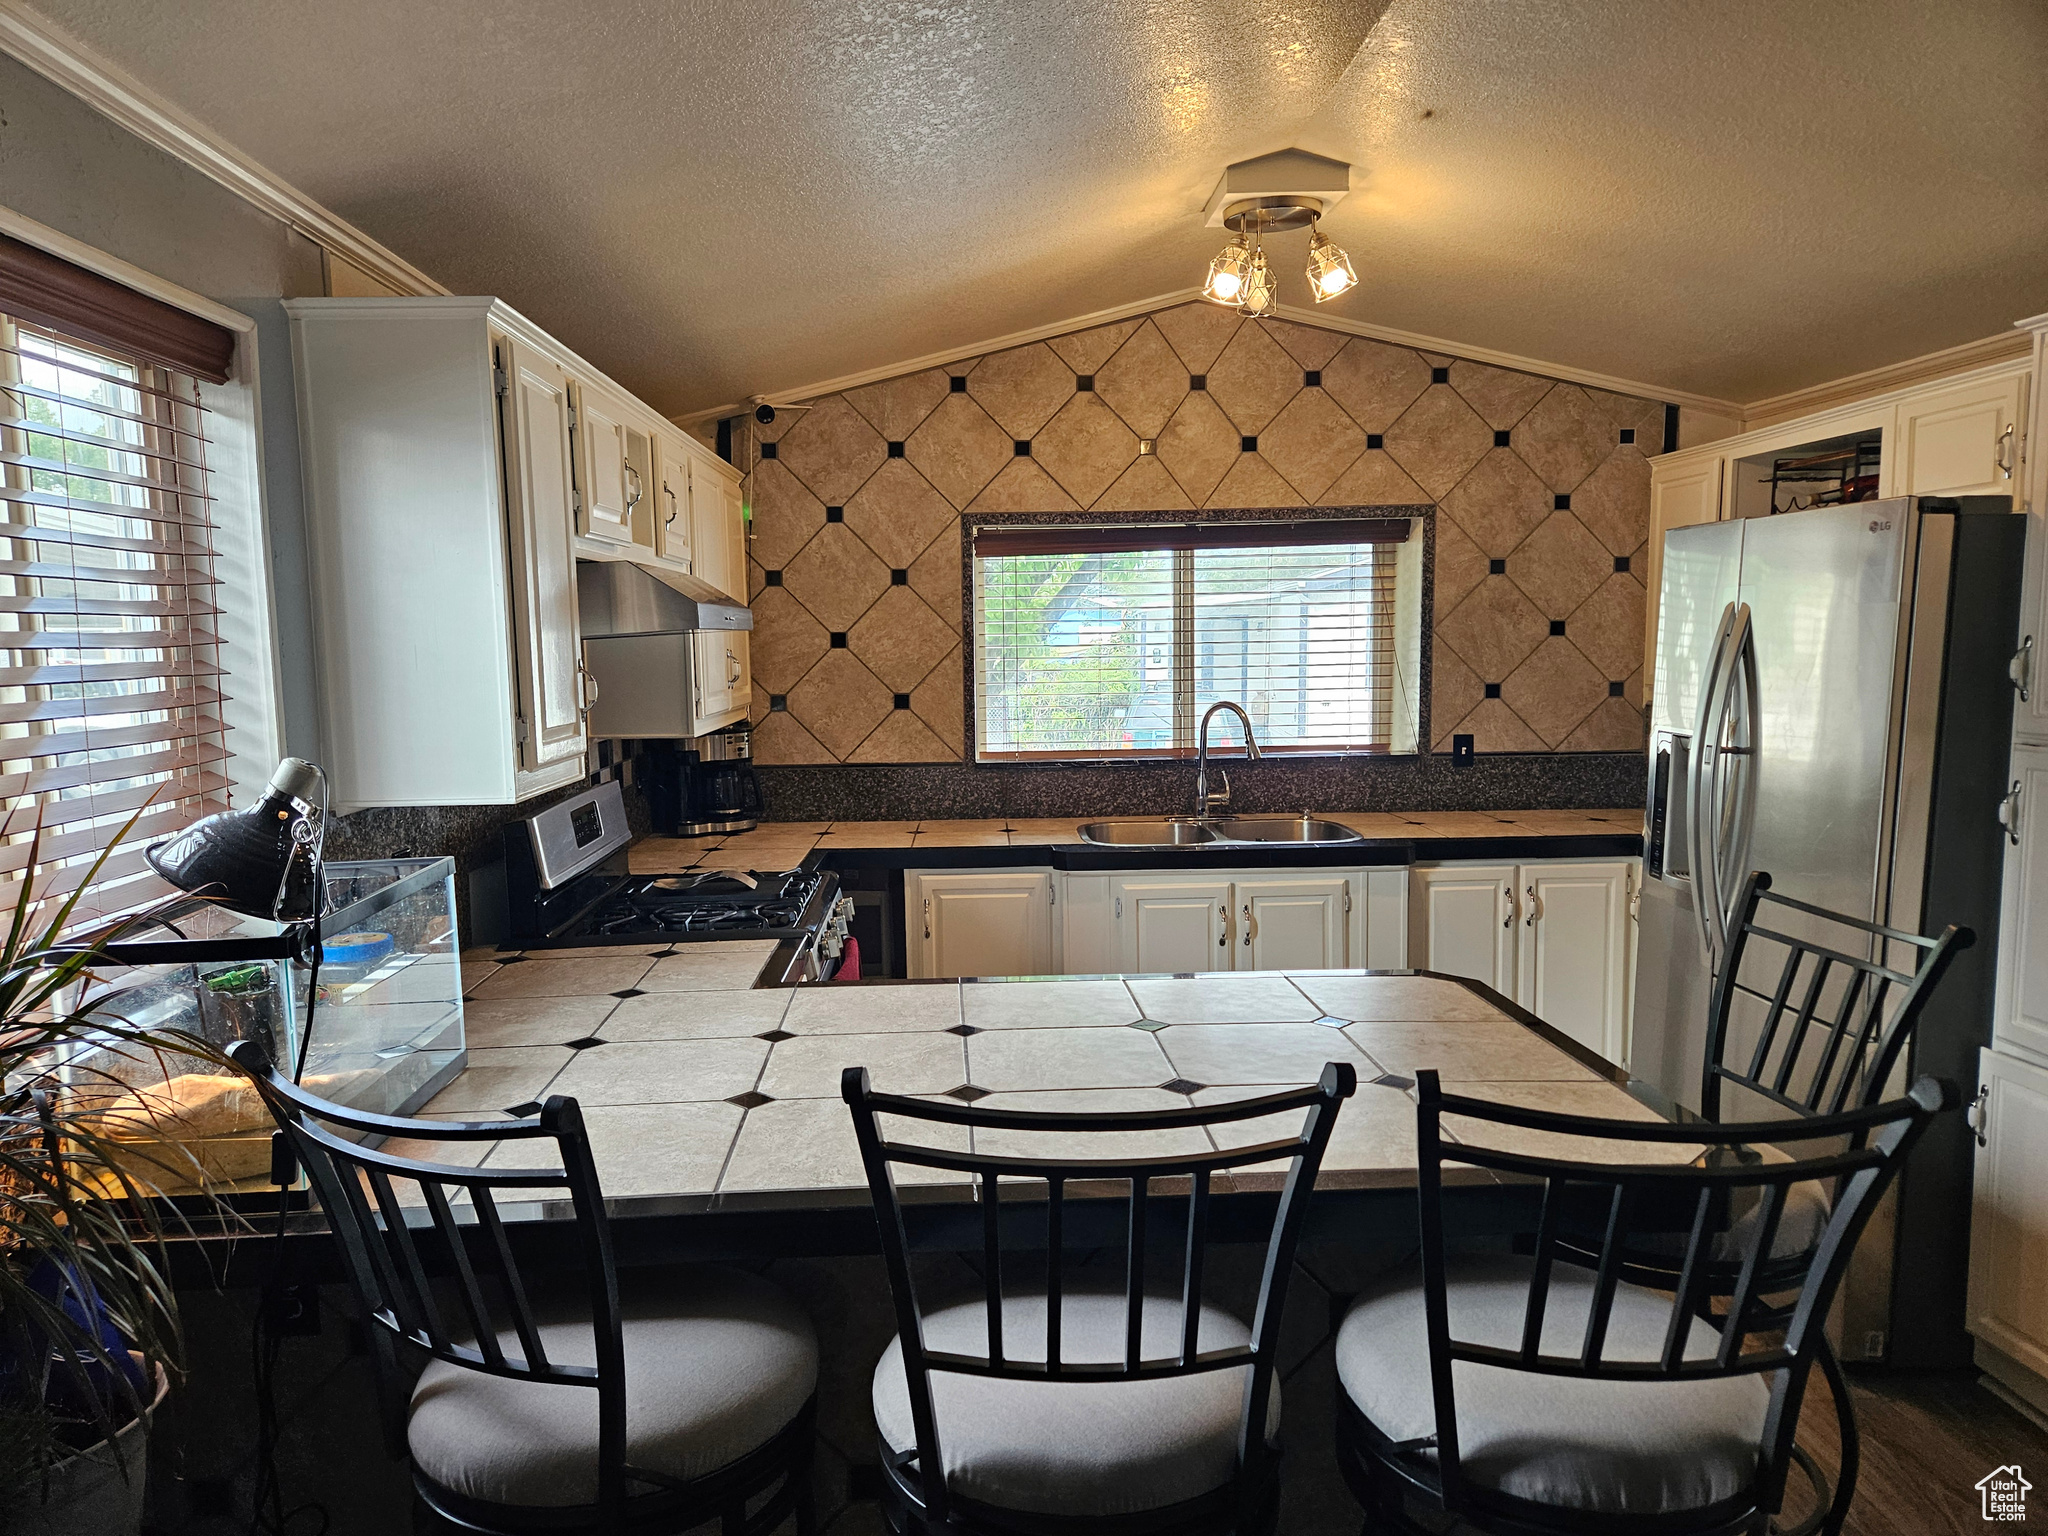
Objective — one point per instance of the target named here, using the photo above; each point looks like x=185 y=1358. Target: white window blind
x=1111 y=642
x=110 y=674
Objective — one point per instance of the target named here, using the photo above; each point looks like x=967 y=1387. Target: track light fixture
x=1240 y=277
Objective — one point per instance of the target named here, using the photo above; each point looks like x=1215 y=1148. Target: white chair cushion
x=717 y=1361
x=1075 y=1447
x=1618 y=1447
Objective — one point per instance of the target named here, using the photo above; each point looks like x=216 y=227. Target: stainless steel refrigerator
x=1831 y=704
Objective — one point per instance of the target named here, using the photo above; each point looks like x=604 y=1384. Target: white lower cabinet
x=1004 y=922
x=1172 y=923
x=1551 y=935
x=2020 y=1016
x=1293 y=924
x=2008 y=1299
x=980 y=922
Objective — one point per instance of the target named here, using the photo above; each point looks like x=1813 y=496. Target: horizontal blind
x=110 y=672
x=1093 y=652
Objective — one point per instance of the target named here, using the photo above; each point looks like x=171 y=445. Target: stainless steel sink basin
x=1148 y=832
x=1184 y=832
x=1283 y=829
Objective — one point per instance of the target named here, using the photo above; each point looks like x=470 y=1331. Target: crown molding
x=939 y=359
x=103 y=85
x=1387 y=333
x=2004 y=347
x=1464 y=349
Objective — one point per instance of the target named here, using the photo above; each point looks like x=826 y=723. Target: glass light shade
x=1225 y=284
x=1329 y=269
x=1257 y=300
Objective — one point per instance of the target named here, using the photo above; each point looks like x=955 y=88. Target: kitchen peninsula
x=705 y=1092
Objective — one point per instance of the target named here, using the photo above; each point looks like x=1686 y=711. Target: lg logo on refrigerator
x=1880 y=526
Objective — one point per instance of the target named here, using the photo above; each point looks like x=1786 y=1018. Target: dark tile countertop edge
x=1372 y=851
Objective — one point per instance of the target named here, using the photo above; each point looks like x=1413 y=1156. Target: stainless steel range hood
x=617 y=597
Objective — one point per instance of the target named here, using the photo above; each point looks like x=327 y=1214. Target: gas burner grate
x=709 y=904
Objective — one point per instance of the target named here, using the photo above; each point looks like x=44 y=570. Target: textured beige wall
x=857 y=507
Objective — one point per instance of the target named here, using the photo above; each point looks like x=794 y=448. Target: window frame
x=1417 y=601
x=253 y=714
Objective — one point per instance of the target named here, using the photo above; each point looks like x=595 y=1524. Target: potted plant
x=89 y=1335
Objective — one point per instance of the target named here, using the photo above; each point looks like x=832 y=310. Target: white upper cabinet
x=671 y=498
x=1963 y=441
x=605 y=475
x=434 y=434
x=1681 y=495
x=539 y=490
x=718 y=528
x=2020 y=1016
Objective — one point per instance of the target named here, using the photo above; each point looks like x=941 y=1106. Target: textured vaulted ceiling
x=1735 y=197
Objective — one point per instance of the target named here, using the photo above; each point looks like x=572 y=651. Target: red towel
x=849 y=961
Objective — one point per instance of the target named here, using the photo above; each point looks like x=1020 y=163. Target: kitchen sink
x=1151 y=832
x=1185 y=832
x=1283 y=829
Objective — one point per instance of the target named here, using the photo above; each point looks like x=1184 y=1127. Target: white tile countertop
x=702 y=1092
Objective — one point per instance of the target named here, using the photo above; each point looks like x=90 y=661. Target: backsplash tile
x=1544 y=528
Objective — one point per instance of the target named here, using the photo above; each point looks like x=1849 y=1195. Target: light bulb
x=1329 y=269
x=1257 y=302
x=1225 y=284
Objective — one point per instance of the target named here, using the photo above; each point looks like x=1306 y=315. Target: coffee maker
x=703 y=785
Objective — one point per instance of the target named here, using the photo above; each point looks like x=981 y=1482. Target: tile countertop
x=702 y=1092
x=784 y=844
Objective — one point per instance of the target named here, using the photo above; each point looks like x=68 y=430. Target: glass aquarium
x=386 y=1035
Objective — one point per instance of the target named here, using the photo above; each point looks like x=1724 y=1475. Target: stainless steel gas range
x=569 y=886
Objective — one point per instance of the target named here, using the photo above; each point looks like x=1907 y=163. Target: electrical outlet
x=294 y=1310
x=1873 y=1344
x=1461 y=752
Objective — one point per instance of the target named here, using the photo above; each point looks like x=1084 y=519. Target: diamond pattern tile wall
x=1056 y=426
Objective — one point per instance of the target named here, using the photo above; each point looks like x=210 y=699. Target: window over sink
x=1095 y=641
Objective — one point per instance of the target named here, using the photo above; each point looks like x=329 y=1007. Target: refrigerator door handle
x=1742 y=674
x=1700 y=789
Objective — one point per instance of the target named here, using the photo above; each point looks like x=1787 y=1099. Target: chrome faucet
x=1206 y=804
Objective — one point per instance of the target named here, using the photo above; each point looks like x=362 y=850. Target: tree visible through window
x=1106 y=642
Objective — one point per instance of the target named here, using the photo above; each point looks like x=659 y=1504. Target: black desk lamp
x=263 y=862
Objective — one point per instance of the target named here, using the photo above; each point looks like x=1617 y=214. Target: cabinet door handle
x=1223 y=922
x=2009 y=813
x=632 y=487
x=2021 y=668
x=672 y=503
x=1247 y=925
x=927 y=917
x=1508 y=896
x=2005 y=452
x=1534 y=910
x=1978 y=1116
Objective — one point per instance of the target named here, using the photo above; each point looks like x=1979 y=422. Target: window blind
x=110 y=673
x=1094 y=642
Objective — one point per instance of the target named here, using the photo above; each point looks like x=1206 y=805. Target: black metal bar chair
x=1530 y=1395
x=1804 y=1025
x=1050 y=1404
x=558 y=1408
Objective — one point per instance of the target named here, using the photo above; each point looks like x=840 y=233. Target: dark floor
x=1927 y=1439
